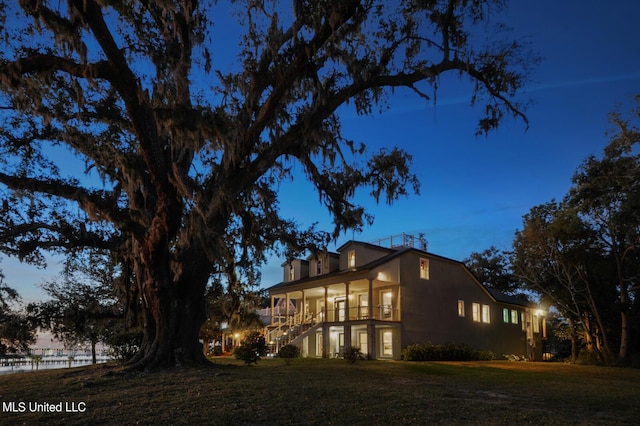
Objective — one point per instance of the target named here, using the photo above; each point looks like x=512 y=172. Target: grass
x=325 y=392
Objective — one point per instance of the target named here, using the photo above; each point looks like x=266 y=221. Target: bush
x=251 y=348
x=288 y=352
x=352 y=354
x=124 y=345
x=446 y=352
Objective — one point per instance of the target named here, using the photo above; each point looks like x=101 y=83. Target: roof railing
x=403 y=240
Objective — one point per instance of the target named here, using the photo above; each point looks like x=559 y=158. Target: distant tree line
x=581 y=255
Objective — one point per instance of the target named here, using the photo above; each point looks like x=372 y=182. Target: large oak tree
x=189 y=152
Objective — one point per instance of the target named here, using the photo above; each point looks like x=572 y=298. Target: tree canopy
x=16 y=331
x=180 y=155
x=582 y=254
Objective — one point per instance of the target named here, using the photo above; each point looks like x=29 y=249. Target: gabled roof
x=513 y=300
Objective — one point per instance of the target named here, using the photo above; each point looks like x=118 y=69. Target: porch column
x=371 y=328
x=346 y=301
x=273 y=304
x=286 y=310
x=325 y=328
x=325 y=314
x=347 y=324
x=370 y=297
x=303 y=315
x=325 y=340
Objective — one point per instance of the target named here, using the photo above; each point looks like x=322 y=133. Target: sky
x=475 y=190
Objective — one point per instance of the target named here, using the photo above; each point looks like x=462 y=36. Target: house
x=384 y=297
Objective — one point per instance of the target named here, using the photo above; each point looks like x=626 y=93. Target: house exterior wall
x=433 y=307
x=364 y=253
x=300 y=270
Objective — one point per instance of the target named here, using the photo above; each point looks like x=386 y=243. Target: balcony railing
x=379 y=312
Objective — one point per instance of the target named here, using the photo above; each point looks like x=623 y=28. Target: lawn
x=325 y=392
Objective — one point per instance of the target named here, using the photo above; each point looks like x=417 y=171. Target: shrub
x=125 y=344
x=352 y=354
x=252 y=347
x=446 y=352
x=288 y=352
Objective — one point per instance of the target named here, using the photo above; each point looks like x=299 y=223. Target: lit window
x=505 y=315
x=523 y=321
x=424 y=269
x=352 y=259
x=475 y=307
x=387 y=343
x=461 y=308
x=485 y=313
x=514 y=316
x=319 y=267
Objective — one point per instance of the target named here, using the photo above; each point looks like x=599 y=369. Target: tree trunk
x=174 y=309
x=625 y=324
x=625 y=336
x=94 y=360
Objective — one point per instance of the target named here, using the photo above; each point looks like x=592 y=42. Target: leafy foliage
x=582 y=254
x=125 y=344
x=493 y=269
x=252 y=348
x=288 y=352
x=234 y=307
x=78 y=313
x=17 y=332
x=352 y=354
x=446 y=352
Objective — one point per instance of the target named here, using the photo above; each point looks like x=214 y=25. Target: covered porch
x=326 y=315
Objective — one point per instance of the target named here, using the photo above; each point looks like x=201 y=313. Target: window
x=461 y=308
x=319 y=267
x=387 y=343
x=351 y=259
x=475 y=307
x=292 y=273
x=485 y=313
x=362 y=339
x=523 y=321
x=514 y=316
x=424 y=269
x=505 y=315
x=319 y=344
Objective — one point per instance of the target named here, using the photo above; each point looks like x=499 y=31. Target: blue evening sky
x=475 y=190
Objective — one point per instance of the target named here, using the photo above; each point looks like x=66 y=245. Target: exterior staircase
x=290 y=332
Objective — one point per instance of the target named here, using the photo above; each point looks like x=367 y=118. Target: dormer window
x=424 y=268
x=292 y=272
x=319 y=267
x=351 y=259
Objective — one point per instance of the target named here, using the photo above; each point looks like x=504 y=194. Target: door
x=363 y=306
x=387 y=307
x=340 y=314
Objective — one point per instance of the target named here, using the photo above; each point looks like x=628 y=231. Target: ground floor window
x=319 y=344
x=387 y=343
x=362 y=342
